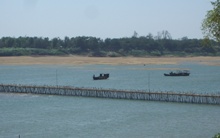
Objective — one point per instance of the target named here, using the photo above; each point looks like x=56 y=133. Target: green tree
x=211 y=23
x=217 y=135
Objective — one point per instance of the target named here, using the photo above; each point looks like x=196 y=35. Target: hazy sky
x=102 y=18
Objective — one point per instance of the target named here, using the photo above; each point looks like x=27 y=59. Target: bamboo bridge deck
x=113 y=93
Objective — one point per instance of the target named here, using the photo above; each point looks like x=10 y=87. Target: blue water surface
x=203 y=78
x=34 y=116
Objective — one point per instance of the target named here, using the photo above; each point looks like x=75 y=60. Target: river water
x=34 y=116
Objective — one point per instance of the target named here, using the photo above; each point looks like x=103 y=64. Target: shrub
x=217 y=135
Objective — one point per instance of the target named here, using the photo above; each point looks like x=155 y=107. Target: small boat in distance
x=178 y=73
x=101 y=77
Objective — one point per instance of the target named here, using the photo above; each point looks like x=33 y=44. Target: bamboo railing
x=113 y=93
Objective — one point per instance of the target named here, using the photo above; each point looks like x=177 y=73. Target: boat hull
x=101 y=77
x=176 y=75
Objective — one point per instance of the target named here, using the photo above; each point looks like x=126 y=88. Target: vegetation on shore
x=138 y=46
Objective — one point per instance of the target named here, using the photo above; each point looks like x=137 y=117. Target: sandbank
x=83 y=60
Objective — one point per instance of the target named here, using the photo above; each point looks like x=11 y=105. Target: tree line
x=159 y=45
x=149 y=45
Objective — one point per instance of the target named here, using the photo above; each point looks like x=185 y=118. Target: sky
x=102 y=18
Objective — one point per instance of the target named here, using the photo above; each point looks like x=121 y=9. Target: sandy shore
x=79 y=60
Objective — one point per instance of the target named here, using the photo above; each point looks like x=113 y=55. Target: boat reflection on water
x=178 y=73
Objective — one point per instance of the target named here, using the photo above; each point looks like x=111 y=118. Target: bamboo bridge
x=113 y=93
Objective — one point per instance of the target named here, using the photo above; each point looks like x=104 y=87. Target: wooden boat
x=101 y=77
x=178 y=73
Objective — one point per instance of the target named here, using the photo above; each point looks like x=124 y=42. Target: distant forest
x=138 y=46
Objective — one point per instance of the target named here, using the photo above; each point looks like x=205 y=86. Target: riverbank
x=80 y=60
